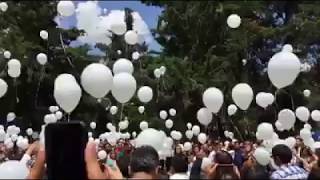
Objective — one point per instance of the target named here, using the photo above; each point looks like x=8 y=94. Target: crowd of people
x=212 y=160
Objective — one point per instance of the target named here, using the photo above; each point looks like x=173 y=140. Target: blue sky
x=148 y=13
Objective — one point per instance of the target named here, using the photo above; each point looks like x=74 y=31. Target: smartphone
x=65 y=143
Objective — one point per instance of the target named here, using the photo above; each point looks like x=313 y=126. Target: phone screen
x=65 y=144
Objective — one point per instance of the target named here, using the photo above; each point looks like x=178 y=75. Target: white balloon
x=14 y=64
x=113 y=110
x=234 y=21
x=213 y=99
x=11 y=116
x=204 y=116
x=279 y=126
x=145 y=94
x=169 y=123
x=265 y=131
x=14 y=73
x=163 y=114
x=309 y=142
x=93 y=125
x=242 y=95
x=187 y=146
x=307 y=126
x=196 y=130
x=123 y=65
x=163 y=70
x=157 y=73
x=283 y=69
x=172 y=112
x=67 y=92
x=122 y=125
x=3 y=6
x=131 y=37
x=262 y=156
x=7 y=54
x=287 y=48
x=14 y=137
x=66 y=8
x=262 y=99
x=315 y=115
x=134 y=134
x=287 y=118
x=269 y=98
x=96 y=80
x=13 y=169
x=290 y=142
x=42 y=58
x=176 y=135
x=143 y=125
x=202 y=138
x=44 y=34
x=135 y=55
x=305 y=133
x=118 y=27
x=232 y=109
x=29 y=131
x=189 y=134
x=307 y=93
x=141 y=109
x=102 y=154
x=189 y=125
x=124 y=87
x=151 y=137
x=303 y=113
x=3 y=87
x=58 y=115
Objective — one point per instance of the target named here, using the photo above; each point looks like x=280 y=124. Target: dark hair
x=257 y=171
x=223 y=157
x=179 y=164
x=283 y=152
x=123 y=163
x=144 y=159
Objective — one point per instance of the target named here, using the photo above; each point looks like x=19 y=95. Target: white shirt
x=179 y=176
x=212 y=155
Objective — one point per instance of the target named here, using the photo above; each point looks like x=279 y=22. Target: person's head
x=196 y=149
x=144 y=163
x=210 y=148
x=281 y=154
x=305 y=152
x=223 y=157
x=236 y=145
x=178 y=149
x=112 y=155
x=123 y=164
x=179 y=164
x=299 y=141
x=256 y=172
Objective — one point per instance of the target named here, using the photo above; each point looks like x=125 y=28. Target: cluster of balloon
x=44 y=34
x=233 y=21
x=242 y=95
x=176 y=135
x=286 y=120
x=228 y=134
x=55 y=111
x=3 y=6
x=67 y=92
x=283 y=68
x=96 y=80
x=158 y=72
x=264 y=99
x=156 y=139
x=65 y=8
x=50 y=118
x=14 y=68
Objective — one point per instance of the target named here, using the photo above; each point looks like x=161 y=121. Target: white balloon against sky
x=65 y=8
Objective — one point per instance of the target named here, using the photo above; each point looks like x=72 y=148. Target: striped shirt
x=290 y=172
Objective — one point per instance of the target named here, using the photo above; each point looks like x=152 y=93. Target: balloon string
x=121 y=113
x=38 y=87
x=64 y=50
x=158 y=90
x=275 y=98
x=68 y=117
x=237 y=129
x=16 y=89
